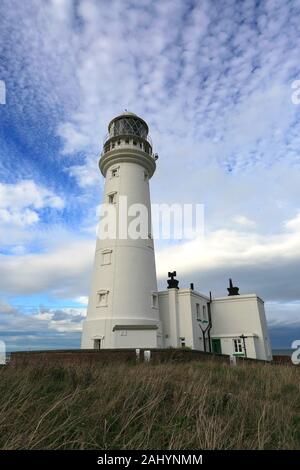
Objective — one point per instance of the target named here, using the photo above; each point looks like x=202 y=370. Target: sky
x=214 y=83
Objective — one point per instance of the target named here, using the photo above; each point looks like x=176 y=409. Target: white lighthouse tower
x=123 y=304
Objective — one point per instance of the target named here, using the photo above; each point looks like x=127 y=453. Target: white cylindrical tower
x=123 y=304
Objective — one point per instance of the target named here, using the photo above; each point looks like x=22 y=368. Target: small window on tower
x=182 y=342
x=204 y=313
x=112 y=198
x=114 y=172
x=102 y=298
x=145 y=175
x=106 y=257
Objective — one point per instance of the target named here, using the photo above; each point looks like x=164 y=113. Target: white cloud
x=86 y=175
x=15 y=217
x=41 y=329
x=293 y=224
x=20 y=203
x=244 y=221
x=63 y=271
x=62 y=320
x=283 y=313
x=83 y=299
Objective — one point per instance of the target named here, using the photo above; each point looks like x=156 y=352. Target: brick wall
x=106 y=356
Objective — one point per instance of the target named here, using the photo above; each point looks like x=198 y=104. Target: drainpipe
x=209 y=321
x=203 y=336
x=208 y=328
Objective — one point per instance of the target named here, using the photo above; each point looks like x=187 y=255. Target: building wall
x=121 y=335
x=178 y=315
x=134 y=339
x=228 y=346
x=198 y=321
x=243 y=314
x=232 y=317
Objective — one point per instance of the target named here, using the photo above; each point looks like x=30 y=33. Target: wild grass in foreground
x=198 y=405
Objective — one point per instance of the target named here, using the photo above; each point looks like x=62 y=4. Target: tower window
x=106 y=257
x=102 y=298
x=145 y=175
x=112 y=198
x=114 y=172
x=126 y=141
x=182 y=342
x=237 y=346
x=204 y=313
x=134 y=142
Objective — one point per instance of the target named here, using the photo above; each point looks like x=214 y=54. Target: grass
x=197 y=405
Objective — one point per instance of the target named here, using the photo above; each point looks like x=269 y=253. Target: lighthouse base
x=121 y=333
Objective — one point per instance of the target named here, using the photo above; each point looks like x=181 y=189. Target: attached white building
x=233 y=325
x=125 y=309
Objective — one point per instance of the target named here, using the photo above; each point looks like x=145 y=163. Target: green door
x=216 y=346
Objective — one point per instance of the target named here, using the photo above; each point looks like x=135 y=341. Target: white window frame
x=112 y=197
x=103 y=253
x=102 y=298
x=238 y=346
x=204 y=313
x=114 y=172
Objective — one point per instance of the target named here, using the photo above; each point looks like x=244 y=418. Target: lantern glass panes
x=128 y=126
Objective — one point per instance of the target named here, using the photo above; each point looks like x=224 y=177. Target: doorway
x=216 y=346
x=97 y=343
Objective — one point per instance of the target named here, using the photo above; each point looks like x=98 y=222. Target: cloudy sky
x=215 y=86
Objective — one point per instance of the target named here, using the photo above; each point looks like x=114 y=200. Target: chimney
x=232 y=290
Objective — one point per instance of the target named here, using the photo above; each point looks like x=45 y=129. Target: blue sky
x=214 y=85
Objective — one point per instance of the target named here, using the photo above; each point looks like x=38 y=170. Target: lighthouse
x=123 y=309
